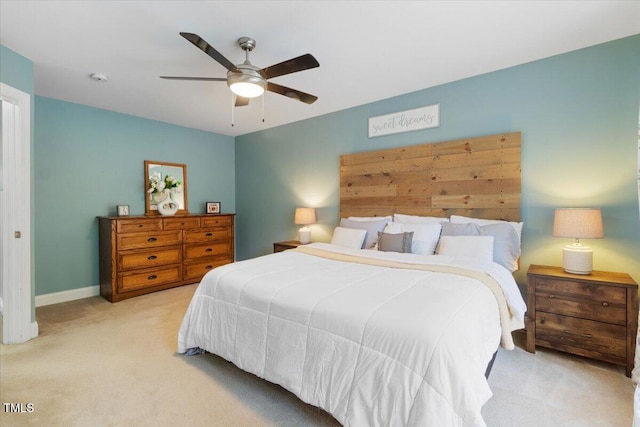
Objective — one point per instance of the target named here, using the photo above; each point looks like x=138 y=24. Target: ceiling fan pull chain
x=232 y=96
x=263 y=108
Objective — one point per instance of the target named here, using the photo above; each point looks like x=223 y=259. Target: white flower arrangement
x=158 y=185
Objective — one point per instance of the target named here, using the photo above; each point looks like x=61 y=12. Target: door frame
x=17 y=296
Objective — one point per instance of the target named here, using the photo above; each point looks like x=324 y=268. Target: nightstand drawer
x=582 y=291
x=588 y=338
x=610 y=311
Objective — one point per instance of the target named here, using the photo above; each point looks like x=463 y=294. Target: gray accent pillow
x=372 y=228
x=400 y=242
x=506 y=243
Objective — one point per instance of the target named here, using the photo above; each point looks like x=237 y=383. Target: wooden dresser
x=143 y=254
x=593 y=315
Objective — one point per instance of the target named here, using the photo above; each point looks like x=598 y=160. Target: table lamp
x=304 y=217
x=578 y=223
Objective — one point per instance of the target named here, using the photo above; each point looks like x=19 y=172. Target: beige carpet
x=102 y=364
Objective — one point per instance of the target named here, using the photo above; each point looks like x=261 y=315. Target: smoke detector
x=99 y=77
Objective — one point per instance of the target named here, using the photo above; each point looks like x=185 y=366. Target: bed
x=392 y=323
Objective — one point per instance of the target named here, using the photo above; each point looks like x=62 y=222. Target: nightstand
x=283 y=246
x=593 y=315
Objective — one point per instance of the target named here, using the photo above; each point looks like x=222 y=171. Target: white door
x=15 y=217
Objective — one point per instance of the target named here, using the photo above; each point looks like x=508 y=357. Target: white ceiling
x=368 y=50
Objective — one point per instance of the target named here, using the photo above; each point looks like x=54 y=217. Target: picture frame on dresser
x=123 y=210
x=213 y=207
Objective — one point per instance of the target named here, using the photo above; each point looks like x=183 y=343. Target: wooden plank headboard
x=477 y=177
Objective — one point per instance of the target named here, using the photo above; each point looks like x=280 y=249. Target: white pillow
x=457 y=219
x=470 y=246
x=506 y=247
x=370 y=218
x=348 y=237
x=425 y=235
x=414 y=219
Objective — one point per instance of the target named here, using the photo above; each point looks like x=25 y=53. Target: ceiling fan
x=248 y=81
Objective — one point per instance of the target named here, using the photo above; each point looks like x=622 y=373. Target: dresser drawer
x=589 y=338
x=194 y=251
x=195 y=271
x=213 y=221
x=130 y=281
x=180 y=223
x=128 y=260
x=207 y=234
x=148 y=240
x=138 y=225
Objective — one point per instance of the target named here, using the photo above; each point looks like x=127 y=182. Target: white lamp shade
x=305 y=216
x=578 y=223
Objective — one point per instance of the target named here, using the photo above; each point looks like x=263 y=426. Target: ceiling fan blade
x=291 y=93
x=206 y=48
x=294 y=65
x=206 y=79
x=241 y=102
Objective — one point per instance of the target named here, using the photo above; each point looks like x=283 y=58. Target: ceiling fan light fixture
x=247 y=89
x=246 y=83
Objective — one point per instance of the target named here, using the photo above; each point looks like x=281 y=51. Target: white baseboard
x=64 y=296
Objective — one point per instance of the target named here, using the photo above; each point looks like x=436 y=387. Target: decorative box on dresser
x=143 y=254
x=593 y=315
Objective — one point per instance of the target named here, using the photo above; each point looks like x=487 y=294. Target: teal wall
x=17 y=71
x=578 y=114
x=89 y=160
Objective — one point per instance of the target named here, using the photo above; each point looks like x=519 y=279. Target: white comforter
x=374 y=346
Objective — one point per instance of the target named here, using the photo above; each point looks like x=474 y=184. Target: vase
x=168 y=206
x=159 y=197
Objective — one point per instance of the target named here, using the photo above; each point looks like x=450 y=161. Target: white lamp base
x=304 y=235
x=577 y=259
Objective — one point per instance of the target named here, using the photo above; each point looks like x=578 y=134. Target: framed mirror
x=162 y=180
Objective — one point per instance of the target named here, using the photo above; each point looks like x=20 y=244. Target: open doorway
x=16 y=301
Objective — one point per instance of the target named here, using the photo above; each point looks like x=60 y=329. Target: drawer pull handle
x=209 y=234
x=605 y=304
x=151 y=239
x=208 y=250
x=552 y=296
x=139 y=225
x=152 y=277
x=208 y=267
x=150 y=257
x=566 y=331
